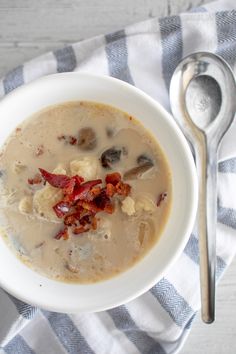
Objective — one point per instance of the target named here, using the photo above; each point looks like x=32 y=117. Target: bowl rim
x=186 y=229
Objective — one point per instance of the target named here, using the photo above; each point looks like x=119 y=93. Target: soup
x=85 y=191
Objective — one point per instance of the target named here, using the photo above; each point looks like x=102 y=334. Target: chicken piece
x=87 y=167
x=44 y=200
x=128 y=206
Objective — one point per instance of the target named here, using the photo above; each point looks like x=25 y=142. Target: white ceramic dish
x=31 y=287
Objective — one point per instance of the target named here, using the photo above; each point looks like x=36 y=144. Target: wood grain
x=29 y=28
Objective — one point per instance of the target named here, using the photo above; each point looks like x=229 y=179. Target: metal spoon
x=203 y=100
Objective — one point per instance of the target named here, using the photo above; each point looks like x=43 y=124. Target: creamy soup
x=59 y=222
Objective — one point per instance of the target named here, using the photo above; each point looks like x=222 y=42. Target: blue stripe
x=68 y=334
x=117 y=56
x=25 y=310
x=13 y=79
x=172 y=45
x=192 y=251
x=174 y=304
x=18 y=346
x=66 y=59
x=227 y=166
x=226 y=35
x=124 y=322
x=227 y=216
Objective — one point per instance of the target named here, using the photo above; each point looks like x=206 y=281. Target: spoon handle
x=206 y=160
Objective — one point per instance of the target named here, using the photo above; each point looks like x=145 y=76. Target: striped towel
x=159 y=321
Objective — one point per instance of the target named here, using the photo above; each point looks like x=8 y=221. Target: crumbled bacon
x=37 y=179
x=62 y=234
x=80 y=229
x=161 y=198
x=71 y=219
x=123 y=188
x=110 y=190
x=113 y=178
x=83 y=200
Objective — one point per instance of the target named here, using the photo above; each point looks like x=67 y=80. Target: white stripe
x=91 y=56
x=144 y=59
x=94 y=331
x=40 y=336
x=119 y=336
x=186 y=270
x=226 y=183
x=2 y=351
x=226 y=242
x=43 y=65
x=13 y=322
x=220 y=5
x=198 y=32
x=156 y=320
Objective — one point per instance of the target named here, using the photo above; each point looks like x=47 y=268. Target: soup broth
x=93 y=141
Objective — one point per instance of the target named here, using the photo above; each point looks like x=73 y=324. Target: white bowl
x=35 y=289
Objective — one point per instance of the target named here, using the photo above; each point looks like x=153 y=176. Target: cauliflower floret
x=144 y=203
x=128 y=206
x=87 y=167
x=44 y=200
x=26 y=205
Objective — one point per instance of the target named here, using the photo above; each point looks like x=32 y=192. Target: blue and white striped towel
x=158 y=322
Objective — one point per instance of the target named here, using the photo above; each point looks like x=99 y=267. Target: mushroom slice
x=87 y=139
x=110 y=156
x=138 y=171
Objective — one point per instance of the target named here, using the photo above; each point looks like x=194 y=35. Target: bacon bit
x=62 y=234
x=123 y=188
x=81 y=193
x=39 y=150
x=89 y=206
x=103 y=202
x=95 y=191
x=71 y=219
x=72 y=140
x=68 y=189
x=110 y=190
x=94 y=223
x=113 y=178
x=69 y=139
x=57 y=181
x=37 y=179
x=61 y=209
x=80 y=229
x=161 y=198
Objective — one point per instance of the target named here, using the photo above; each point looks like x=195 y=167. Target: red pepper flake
x=37 y=179
x=161 y=198
x=123 y=188
x=113 y=178
x=61 y=209
x=39 y=150
x=62 y=234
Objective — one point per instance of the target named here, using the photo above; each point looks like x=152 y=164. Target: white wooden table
x=30 y=27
